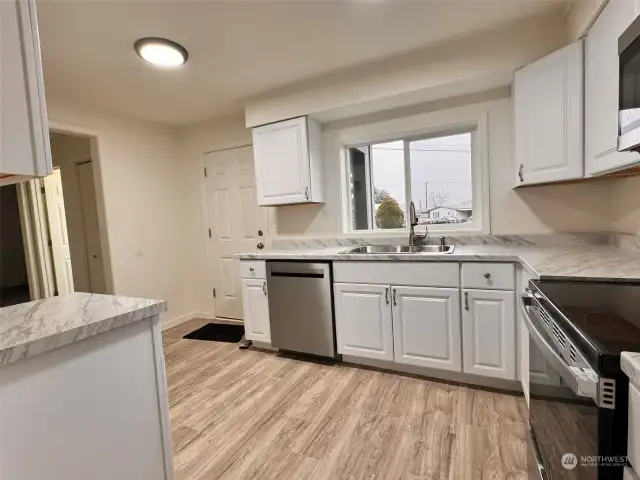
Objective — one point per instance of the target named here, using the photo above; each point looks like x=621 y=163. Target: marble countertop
x=35 y=327
x=630 y=364
x=599 y=262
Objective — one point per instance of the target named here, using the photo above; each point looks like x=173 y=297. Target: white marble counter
x=630 y=364
x=35 y=327
x=597 y=262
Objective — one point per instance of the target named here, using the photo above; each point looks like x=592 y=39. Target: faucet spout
x=413 y=221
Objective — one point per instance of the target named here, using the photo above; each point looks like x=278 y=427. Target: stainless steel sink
x=395 y=249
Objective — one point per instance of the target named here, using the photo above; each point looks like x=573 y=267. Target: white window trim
x=434 y=124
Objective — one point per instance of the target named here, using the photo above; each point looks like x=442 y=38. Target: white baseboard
x=174 y=322
x=458 y=377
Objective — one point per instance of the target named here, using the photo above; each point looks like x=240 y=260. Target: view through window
x=435 y=173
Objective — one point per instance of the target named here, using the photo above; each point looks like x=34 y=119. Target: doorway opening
x=14 y=282
x=64 y=225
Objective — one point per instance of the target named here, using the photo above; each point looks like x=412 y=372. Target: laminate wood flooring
x=249 y=414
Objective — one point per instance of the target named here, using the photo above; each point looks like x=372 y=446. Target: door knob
x=260 y=246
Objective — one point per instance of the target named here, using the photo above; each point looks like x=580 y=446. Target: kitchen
x=279 y=202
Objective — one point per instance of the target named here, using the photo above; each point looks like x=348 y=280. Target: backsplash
x=628 y=242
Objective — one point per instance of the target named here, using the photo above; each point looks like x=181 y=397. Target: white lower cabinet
x=363 y=320
x=256 y=310
x=426 y=327
x=488 y=333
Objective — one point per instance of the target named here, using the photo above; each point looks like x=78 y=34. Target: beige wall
x=626 y=206
x=144 y=200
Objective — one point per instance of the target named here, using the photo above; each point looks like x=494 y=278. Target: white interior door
x=59 y=235
x=91 y=228
x=235 y=221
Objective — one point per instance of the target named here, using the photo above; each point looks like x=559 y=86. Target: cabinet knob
x=251 y=269
x=260 y=233
x=260 y=246
x=487 y=276
x=521 y=173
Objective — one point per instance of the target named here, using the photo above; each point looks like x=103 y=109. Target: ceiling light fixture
x=161 y=52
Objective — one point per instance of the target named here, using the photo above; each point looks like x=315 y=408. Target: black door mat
x=217 y=332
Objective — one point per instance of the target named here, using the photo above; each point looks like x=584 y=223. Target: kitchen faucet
x=413 y=220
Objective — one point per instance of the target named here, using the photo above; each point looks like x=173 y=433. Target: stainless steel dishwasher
x=301 y=307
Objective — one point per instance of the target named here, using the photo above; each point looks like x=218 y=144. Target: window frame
x=421 y=127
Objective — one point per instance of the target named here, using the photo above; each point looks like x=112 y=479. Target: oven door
x=563 y=413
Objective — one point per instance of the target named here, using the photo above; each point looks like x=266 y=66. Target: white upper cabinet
x=488 y=333
x=548 y=100
x=426 y=327
x=288 y=157
x=363 y=320
x=602 y=89
x=24 y=131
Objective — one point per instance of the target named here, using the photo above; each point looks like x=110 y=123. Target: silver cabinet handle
x=487 y=275
x=306 y=192
x=394 y=297
x=386 y=295
x=466 y=301
x=264 y=287
x=521 y=173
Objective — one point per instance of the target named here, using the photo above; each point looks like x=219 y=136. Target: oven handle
x=582 y=381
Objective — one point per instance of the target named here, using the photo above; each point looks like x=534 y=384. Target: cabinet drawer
x=252 y=269
x=409 y=273
x=633 y=453
x=488 y=276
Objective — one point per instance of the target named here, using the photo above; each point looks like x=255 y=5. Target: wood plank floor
x=246 y=414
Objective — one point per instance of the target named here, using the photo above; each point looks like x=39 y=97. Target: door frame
x=211 y=281
x=33 y=221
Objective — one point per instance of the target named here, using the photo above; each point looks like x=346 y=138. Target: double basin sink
x=396 y=249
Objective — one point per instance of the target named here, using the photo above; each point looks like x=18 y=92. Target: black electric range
x=578 y=393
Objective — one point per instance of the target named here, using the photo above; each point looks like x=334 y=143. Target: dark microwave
x=629 y=91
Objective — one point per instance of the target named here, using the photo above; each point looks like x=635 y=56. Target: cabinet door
x=24 y=131
x=256 y=310
x=548 y=99
x=488 y=333
x=281 y=153
x=363 y=320
x=602 y=89
x=426 y=327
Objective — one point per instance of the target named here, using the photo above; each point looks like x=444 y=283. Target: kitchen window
x=435 y=171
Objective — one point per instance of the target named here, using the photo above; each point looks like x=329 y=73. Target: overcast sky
x=444 y=163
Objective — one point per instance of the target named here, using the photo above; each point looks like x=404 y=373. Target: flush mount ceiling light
x=161 y=52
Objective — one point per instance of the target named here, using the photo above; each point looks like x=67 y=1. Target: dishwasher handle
x=309 y=274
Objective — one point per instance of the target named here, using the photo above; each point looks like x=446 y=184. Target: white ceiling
x=238 y=48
